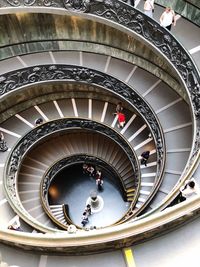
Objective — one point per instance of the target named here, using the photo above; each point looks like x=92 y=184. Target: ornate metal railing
x=43 y=131
x=80 y=159
x=106 y=239
x=148 y=29
x=125 y=15
x=28 y=76
x=54 y=73
x=128 y=18
x=181 y=61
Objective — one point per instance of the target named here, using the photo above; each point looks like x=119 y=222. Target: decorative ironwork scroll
x=142 y=25
x=45 y=3
x=77 y=5
x=31 y=75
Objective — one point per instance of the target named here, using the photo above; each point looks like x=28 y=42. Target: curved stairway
x=135 y=132
x=45 y=155
x=178 y=131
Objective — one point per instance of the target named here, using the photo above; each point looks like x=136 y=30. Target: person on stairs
x=149 y=8
x=145 y=156
x=121 y=119
x=38 y=121
x=88 y=210
x=168 y=18
x=190 y=189
x=85 y=219
x=99 y=180
x=14 y=224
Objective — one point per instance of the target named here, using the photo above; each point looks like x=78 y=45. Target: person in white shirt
x=149 y=8
x=190 y=189
x=168 y=18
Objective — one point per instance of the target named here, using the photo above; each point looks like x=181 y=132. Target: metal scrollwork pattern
x=31 y=75
x=136 y=21
x=133 y=19
x=164 y=41
x=77 y=5
x=16 y=3
x=72 y=5
x=51 y=127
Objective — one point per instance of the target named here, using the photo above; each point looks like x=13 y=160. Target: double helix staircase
x=135 y=131
x=172 y=110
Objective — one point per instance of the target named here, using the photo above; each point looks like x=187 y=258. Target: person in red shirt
x=121 y=119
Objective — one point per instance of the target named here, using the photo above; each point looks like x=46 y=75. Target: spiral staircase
x=73 y=78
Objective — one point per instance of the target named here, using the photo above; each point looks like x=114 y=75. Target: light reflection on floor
x=75 y=189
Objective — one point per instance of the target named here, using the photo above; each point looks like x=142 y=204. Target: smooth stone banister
x=88 y=242
x=43 y=131
x=80 y=159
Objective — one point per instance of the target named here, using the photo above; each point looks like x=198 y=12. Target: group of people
x=189 y=189
x=167 y=19
x=85 y=216
x=92 y=172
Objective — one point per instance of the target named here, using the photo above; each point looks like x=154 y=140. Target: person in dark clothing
x=145 y=157
x=132 y=2
x=88 y=209
x=85 y=166
x=119 y=107
x=84 y=219
x=38 y=121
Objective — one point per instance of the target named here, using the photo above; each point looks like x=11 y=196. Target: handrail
x=45 y=73
x=57 y=73
x=71 y=160
x=168 y=46
x=132 y=21
x=106 y=239
x=74 y=159
x=33 y=136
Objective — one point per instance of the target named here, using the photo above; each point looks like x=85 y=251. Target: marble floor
x=73 y=188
